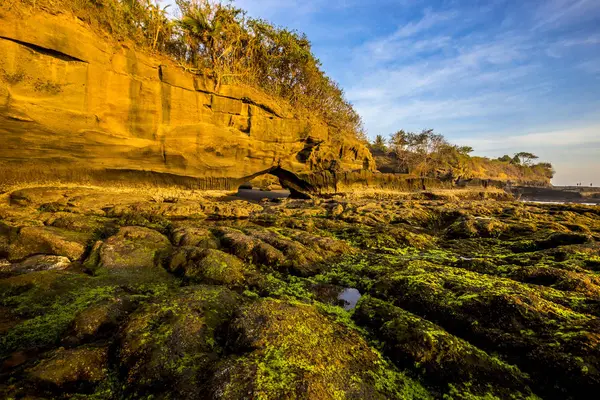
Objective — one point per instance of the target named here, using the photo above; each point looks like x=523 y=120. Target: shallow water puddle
x=257 y=195
x=350 y=297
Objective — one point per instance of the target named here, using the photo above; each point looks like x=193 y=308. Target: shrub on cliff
x=429 y=154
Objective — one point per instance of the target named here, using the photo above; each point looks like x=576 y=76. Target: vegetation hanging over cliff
x=428 y=154
x=219 y=40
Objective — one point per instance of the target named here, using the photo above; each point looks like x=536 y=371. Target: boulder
x=194 y=236
x=132 y=247
x=98 y=318
x=286 y=350
x=169 y=348
x=208 y=266
x=249 y=248
x=441 y=358
x=63 y=368
x=47 y=240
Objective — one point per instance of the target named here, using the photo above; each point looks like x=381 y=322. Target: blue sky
x=502 y=75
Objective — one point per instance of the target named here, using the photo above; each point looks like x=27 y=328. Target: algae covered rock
x=169 y=347
x=469 y=299
x=290 y=350
x=99 y=318
x=46 y=303
x=536 y=333
x=47 y=240
x=195 y=236
x=79 y=367
x=249 y=248
x=208 y=266
x=445 y=361
x=133 y=247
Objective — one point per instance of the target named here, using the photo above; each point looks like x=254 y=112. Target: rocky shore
x=566 y=194
x=111 y=294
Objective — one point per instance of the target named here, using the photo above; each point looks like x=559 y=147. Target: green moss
x=46 y=329
x=48 y=301
x=472 y=299
x=443 y=360
x=147 y=220
x=299 y=353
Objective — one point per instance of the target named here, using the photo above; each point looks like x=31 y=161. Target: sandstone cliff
x=76 y=105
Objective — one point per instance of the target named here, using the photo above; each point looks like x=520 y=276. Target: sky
x=501 y=76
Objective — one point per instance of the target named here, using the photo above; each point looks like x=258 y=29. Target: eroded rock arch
x=299 y=188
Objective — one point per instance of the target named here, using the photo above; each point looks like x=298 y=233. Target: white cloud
x=554 y=138
x=429 y=20
x=590 y=40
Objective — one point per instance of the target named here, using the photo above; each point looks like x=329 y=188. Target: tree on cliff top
x=379 y=144
x=218 y=39
x=429 y=154
x=525 y=158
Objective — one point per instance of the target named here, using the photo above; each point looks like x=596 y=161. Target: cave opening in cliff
x=274 y=183
x=261 y=187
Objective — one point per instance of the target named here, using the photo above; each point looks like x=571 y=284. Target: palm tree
x=214 y=34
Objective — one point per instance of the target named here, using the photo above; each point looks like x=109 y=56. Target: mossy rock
x=501 y=315
x=76 y=222
x=48 y=240
x=133 y=247
x=168 y=348
x=291 y=350
x=325 y=246
x=298 y=259
x=445 y=361
x=208 y=266
x=465 y=227
x=78 y=369
x=46 y=303
x=470 y=227
x=249 y=248
x=101 y=318
x=552 y=241
x=196 y=237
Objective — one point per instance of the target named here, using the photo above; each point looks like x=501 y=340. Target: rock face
x=78 y=106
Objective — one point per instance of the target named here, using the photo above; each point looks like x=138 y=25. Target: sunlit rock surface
x=78 y=106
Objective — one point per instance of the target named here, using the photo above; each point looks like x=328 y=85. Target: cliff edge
x=77 y=105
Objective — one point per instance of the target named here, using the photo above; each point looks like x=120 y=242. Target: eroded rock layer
x=74 y=104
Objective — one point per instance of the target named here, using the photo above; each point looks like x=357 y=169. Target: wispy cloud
x=429 y=20
x=576 y=136
x=557 y=13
